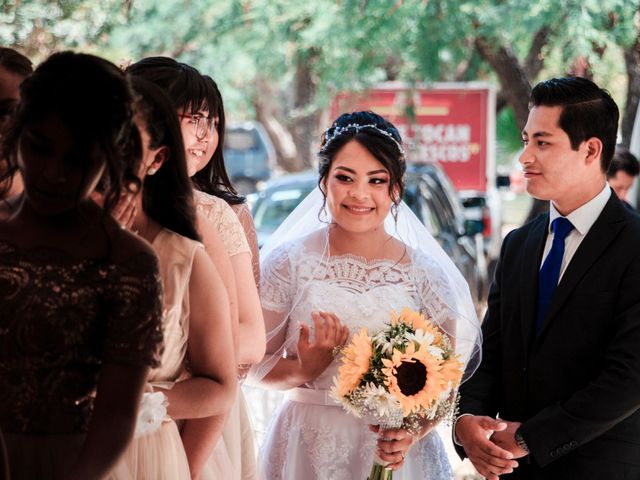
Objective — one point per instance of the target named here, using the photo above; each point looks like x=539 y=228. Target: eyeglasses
x=204 y=125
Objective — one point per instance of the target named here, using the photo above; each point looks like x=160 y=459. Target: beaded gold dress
x=61 y=319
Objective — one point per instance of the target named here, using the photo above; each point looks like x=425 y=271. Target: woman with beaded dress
x=199 y=106
x=344 y=259
x=197 y=370
x=80 y=305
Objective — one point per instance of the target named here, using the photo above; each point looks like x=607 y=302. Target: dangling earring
x=323 y=216
x=394 y=213
x=151 y=170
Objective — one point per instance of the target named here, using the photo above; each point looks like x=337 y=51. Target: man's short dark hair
x=623 y=161
x=588 y=111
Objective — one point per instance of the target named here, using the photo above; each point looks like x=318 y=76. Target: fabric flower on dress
x=152 y=412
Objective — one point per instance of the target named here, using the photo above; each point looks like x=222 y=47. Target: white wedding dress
x=311 y=436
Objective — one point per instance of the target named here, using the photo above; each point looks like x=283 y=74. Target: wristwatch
x=520 y=441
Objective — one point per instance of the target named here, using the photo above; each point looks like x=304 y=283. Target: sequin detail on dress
x=60 y=319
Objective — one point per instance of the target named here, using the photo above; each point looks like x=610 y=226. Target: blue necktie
x=550 y=271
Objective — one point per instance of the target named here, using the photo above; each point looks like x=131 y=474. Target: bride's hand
x=394 y=444
x=314 y=357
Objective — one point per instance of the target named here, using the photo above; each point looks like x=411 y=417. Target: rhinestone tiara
x=337 y=131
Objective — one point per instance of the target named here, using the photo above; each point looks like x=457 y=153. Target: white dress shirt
x=582 y=220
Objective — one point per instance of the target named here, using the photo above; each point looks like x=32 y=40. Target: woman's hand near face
x=124 y=211
x=315 y=356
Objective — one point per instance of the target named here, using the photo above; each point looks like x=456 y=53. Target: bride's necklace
x=366 y=258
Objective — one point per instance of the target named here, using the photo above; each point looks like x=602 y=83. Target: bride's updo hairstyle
x=377 y=135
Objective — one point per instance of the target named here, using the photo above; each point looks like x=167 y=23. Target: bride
x=350 y=254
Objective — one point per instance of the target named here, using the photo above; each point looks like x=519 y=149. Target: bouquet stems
x=380 y=472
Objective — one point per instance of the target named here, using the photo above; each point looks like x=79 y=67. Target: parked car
x=428 y=193
x=249 y=156
x=484 y=209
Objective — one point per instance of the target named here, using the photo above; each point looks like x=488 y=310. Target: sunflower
x=357 y=356
x=417 y=321
x=414 y=378
x=452 y=371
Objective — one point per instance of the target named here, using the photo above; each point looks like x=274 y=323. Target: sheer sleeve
x=246 y=220
x=276 y=296
x=276 y=282
x=226 y=221
x=438 y=299
x=134 y=319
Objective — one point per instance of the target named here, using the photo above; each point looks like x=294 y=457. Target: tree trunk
x=535 y=60
x=513 y=79
x=305 y=117
x=632 y=63
x=532 y=65
x=286 y=152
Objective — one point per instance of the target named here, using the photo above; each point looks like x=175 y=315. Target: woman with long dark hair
x=212 y=177
x=80 y=304
x=197 y=370
x=197 y=107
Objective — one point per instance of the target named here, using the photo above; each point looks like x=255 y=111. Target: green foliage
x=348 y=44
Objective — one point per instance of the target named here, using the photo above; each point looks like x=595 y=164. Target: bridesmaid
x=199 y=109
x=14 y=68
x=212 y=178
x=80 y=306
x=197 y=373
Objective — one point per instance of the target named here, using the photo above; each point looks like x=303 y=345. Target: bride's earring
x=151 y=171
x=394 y=213
x=323 y=216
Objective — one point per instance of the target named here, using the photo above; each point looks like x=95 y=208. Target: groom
x=556 y=396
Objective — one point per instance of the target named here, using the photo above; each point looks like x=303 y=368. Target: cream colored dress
x=160 y=455
x=234 y=457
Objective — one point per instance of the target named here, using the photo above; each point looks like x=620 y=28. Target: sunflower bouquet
x=400 y=377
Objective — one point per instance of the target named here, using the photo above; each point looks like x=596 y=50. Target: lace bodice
x=60 y=320
x=227 y=224
x=359 y=292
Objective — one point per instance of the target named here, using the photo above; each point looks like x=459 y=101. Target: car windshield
x=271 y=211
x=239 y=140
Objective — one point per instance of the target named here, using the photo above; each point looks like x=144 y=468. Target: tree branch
x=513 y=79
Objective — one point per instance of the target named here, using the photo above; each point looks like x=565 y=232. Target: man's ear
x=593 y=150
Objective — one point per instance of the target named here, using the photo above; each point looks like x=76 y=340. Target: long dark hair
x=167 y=196
x=93 y=99
x=213 y=178
x=187 y=88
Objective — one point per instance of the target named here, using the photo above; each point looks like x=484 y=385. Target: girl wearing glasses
x=197 y=370
x=199 y=110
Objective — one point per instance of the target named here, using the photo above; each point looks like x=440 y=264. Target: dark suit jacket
x=576 y=385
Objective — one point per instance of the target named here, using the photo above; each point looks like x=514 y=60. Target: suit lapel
x=532 y=255
x=601 y=234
